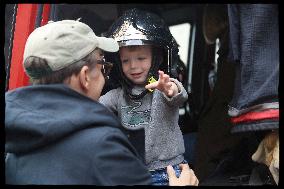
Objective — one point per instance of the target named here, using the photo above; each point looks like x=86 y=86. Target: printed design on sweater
x=131 y=117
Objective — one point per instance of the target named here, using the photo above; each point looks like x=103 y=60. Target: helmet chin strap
x=136 y=97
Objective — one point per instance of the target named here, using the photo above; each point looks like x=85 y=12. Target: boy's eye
x=141 y=58
x=124 y=61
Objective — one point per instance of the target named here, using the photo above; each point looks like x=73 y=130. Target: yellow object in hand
x=151 y=80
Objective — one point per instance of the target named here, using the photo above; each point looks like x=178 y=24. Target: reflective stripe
x=233 y=112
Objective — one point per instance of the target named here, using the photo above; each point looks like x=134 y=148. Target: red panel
x=25 y=23
x=257 y=116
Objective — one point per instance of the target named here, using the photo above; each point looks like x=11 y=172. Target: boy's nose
x=132 y=64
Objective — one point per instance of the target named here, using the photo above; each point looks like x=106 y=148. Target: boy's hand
x=164 y=85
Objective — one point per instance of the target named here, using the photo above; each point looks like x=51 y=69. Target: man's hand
x=164 y=85
x=186 y=178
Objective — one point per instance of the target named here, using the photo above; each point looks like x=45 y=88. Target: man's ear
x=84 y=77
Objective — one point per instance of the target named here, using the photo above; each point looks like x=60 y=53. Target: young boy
x=149 y=113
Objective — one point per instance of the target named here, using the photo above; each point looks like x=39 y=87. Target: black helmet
x=138 y=27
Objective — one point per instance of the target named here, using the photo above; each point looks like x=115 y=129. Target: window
x=181 y=33
x=217 y=46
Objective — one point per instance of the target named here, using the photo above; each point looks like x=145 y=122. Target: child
x=148 y=113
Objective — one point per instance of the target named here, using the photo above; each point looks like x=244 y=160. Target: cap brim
x=107 y=44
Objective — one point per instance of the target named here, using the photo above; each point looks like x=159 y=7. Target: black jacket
x=55 y=135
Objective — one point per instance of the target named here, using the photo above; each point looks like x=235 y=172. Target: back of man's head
x=60 y=49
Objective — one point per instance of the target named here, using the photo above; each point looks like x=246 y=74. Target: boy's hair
x=135 y=47
x=39 y=67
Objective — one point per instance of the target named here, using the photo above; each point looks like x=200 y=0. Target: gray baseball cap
x=63 y=43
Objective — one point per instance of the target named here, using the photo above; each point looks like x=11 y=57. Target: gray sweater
x=158 y=115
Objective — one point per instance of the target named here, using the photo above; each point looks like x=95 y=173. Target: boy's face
x=136 y=62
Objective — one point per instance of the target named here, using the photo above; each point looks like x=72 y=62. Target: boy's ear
x=84 y=78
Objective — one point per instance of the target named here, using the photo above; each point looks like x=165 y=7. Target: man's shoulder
x=101 y=132
x=99 y=140
x=98 y=135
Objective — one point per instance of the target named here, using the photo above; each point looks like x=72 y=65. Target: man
x=56 y=131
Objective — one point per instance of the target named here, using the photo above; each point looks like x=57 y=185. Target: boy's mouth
x=136 y=75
